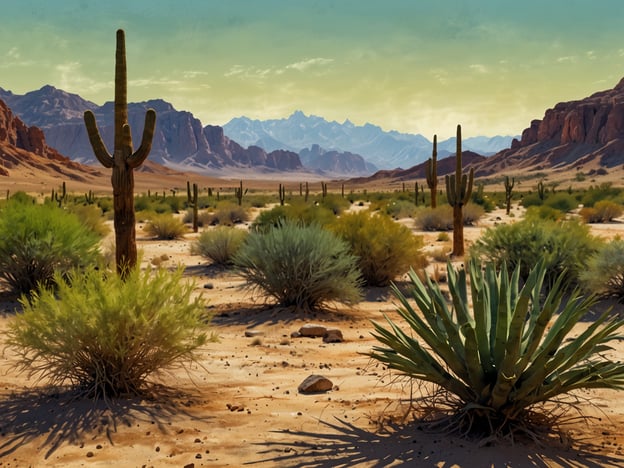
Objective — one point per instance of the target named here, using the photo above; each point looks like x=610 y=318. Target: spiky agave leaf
x=508 y=352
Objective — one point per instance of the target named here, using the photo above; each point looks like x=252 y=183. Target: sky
x=415 y=66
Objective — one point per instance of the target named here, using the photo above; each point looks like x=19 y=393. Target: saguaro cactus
x=431 y=170
x=192 y=202
x=458 y=190
x=123 y=161
x=509 y=185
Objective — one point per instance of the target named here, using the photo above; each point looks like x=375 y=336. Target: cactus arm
x=146 y=142
x=99 y=149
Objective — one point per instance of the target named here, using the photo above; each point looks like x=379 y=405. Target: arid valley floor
x=241 y=406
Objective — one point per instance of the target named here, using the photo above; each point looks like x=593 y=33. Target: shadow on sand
x=342 y=444
x=64 y=417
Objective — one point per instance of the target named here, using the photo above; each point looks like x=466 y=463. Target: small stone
x=208 y=286
x=333 y=335
x=189 y=465
x=315 y=384
x=295 y=334
x=253 y=333
x=90 y=454
x=313 y=330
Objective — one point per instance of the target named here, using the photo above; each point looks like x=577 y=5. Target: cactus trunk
x=123 y=161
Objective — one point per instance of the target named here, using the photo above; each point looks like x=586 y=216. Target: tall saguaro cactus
x=458 y=190
x=123 y=161
x=431 y=170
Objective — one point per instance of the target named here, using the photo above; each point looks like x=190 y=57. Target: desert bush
x=219 y=244
x=562 y=201
x=472 y=213
x=106 y=336
x=301 y=266
x=298 y=211
x=38 y=240
x=443 y=237
x=441 y=217
x=604 y=191
x=605 y=271
x=565 y=247
x=22 y=197
x=494 y=363
x=531 y=199
x=543 y=212
x=385 y=248
x=334 y=203
x=434 y=219
x=399 y=209
x=91 y=217
x=227 y=214
x=603 y=211
x=165 y=226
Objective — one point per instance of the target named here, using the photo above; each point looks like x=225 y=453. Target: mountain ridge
x=384 y=149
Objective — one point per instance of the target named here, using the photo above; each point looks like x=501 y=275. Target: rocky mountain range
x=180 y=141
x=335 y=162
x=386 y=150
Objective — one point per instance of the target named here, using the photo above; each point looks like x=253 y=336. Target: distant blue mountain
x=384 y=149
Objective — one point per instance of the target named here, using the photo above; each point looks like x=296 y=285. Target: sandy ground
x=241 y=405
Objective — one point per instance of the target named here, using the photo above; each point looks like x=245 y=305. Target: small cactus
x=431 y=170
x=509 y=185
x=238 y=193
x=282 y=194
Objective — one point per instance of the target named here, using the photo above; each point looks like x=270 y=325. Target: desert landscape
x=303 y=381
x=240 y=404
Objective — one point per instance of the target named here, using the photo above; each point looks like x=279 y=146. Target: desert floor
x=242 y=406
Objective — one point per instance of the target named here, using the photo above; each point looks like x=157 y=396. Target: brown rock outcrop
x=571 y=133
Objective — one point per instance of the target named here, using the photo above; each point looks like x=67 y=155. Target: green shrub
x=531 y=199
x=562 y=201
x=165 y=226
x=401 y=209
x=334 y=203
x=106 y=336
x=605 y=271
x=301 y=266
x=91 y=217
x=22 y=197
x=565 y=246
x=385 y=248
x=497 y=357
x=38 y=240
x=219 y=244
x=604 y=191
x=543 y=212
x=298 y=211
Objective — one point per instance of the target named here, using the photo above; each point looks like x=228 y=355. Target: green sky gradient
x=413 y=66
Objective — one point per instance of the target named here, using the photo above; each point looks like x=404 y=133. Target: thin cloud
x=479 y=68
x=309 y=63
x=566 y=59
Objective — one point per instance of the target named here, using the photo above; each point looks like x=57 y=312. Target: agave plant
x=510 y=351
